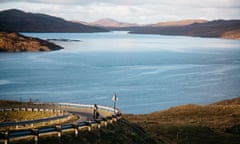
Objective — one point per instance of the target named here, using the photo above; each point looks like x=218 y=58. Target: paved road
x=82 y=116
x=85 y=118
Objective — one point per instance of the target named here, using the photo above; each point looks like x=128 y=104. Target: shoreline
x=221 y=37
x=16 y=42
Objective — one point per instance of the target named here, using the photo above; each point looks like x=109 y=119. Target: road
x=85 y=118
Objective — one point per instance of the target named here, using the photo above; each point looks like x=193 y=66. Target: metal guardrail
x=26 y=122
x=5 y=124
x=6 y=136
x=110 y=109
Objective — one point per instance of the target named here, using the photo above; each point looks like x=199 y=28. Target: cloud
x=144 y=11
x=192 y=3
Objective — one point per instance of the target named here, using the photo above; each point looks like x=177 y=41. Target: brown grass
x=193 y=123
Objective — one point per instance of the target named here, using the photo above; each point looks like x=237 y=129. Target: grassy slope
x=215 y=123
x=121 y=132
x=20 y=115
x=23 y=115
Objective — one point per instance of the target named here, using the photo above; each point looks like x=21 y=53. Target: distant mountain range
x=111 y=23
x=178 y=23
x=18 y=21
x=229 y=29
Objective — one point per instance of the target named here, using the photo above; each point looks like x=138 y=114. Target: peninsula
x=15 y=42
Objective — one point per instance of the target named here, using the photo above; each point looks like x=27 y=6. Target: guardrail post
x=105 y=123
x=17 y=126
x=76 y=132
x=36 y=135
x=115 y=119
x=32 y=125
x=6 y=138
x=99 y=125
x=59 y=130
x=89 y=128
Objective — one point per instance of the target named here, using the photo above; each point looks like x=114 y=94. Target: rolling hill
x=219 y=28
x=217 y=123
x=111 y=23
x=229 y=29
x=197 y=124
x=178 y=23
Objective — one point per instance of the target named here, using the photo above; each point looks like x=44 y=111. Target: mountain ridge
x=228 y=29
x=107 y=22
x=178 y=23
x=15 y=20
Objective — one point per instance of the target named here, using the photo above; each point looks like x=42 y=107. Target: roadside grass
x=217 y=123
x=13 y=116
x=195 y=124
x=4 y=103
x=120 y=132
x=213 y=116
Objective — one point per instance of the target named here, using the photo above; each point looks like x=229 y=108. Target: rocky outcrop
x=14 y=42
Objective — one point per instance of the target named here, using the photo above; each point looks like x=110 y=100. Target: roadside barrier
x=63 y=115
x=59 y=130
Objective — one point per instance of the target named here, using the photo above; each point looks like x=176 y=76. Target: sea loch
x=148 y=72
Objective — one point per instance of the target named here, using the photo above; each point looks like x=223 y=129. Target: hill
x=219 y=28
x=119 y=132
x=178 y=23
x=197 y=124
x=14 y=42
x=111 y=23
x=19 y=21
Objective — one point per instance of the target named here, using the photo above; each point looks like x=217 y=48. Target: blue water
x=148 y=72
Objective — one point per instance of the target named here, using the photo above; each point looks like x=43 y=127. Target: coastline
x=15 y=42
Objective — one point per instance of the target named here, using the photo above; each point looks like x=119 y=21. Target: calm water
x=148 y=72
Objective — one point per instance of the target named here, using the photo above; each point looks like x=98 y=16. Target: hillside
x=119 y=132
x=14 y=42
x=196 y=124
x=215 y=123
x=219 y=28
x=111 y=23
x=178 y=23
x=18 y=21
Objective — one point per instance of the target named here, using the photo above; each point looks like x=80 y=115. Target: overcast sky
x=134 y=11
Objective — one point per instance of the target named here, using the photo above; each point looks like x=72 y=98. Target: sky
x=133 y=11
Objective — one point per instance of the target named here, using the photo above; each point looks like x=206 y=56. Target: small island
x=15 y=42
